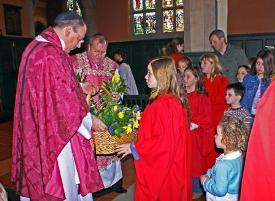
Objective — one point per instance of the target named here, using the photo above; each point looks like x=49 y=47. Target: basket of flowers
x=122 y=122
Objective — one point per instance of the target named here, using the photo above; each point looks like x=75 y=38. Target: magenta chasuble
x=49 y=109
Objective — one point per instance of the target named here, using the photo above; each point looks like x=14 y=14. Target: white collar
x=230 y=156
x=62 y=44
x=222 y=52
x=41 y=39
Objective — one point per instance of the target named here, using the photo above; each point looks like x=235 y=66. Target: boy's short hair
x=237 y=88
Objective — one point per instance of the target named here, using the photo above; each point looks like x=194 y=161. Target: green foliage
x=116 y=84
x=119 y=119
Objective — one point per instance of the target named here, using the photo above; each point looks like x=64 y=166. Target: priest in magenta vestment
x=51 y=157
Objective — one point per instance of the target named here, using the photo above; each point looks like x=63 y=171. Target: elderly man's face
x=74 y=38
x=97 y=51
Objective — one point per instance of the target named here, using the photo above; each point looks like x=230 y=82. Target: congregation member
x=230 y=56
x=215 y=83
x=202 y=130
x=234 y=95
x=162 y=150
x=222 y=181
x=183 y=63
x=242 y=71
x=257 y=82
x=125 y=72
x=175 y=49
x=97 y=68
x=259 y=174
x=51 y=155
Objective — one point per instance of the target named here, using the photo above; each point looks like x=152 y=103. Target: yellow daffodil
x=115 y=78
x=120 y=115
x=136 y=124
x=138 y=116
x=115 y=108
x=128 y=128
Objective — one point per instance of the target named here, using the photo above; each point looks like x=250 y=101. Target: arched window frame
x=159 y=21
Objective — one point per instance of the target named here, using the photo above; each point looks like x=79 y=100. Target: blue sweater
x=225 y=175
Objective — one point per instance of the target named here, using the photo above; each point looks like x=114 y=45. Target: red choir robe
x=163 y=146
x=216 y=89
x=259 y=174
x=49 y=109
x=202 y=137
x=176 y=56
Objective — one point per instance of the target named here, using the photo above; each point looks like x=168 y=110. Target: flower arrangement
x=118 y=118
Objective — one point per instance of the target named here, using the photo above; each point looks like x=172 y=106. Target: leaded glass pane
x=167 y=3
x=179 y=20
x=150 y=22
x=138 y=24
x=74 y=6
x=137 y=5
x=150 y=4
x=168 y=18
x=179 y=2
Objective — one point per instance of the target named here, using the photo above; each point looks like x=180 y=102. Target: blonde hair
x=234 y=133
x=214 y=60
x=165 y=73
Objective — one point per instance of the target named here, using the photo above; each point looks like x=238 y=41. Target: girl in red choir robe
x=202 y=129
x=162 y=150
x=215 y=83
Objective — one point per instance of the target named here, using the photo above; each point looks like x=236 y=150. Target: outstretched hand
x=123 y=150
x=98 y=125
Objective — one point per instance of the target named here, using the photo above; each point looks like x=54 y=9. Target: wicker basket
x=105 y=143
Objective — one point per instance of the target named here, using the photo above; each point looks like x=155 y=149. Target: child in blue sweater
x=222 y=181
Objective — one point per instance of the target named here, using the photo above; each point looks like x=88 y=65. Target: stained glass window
x=168 y=18
x=150 y=22
x=138 y=24
x=167 y=3
x=157 y=17
x=73 y=6
x=173 y=16
x=179 y=20
x=150 y=4
x=138 y=5
x=179 y=2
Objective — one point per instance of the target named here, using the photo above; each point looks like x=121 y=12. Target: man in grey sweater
x=230 y=56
